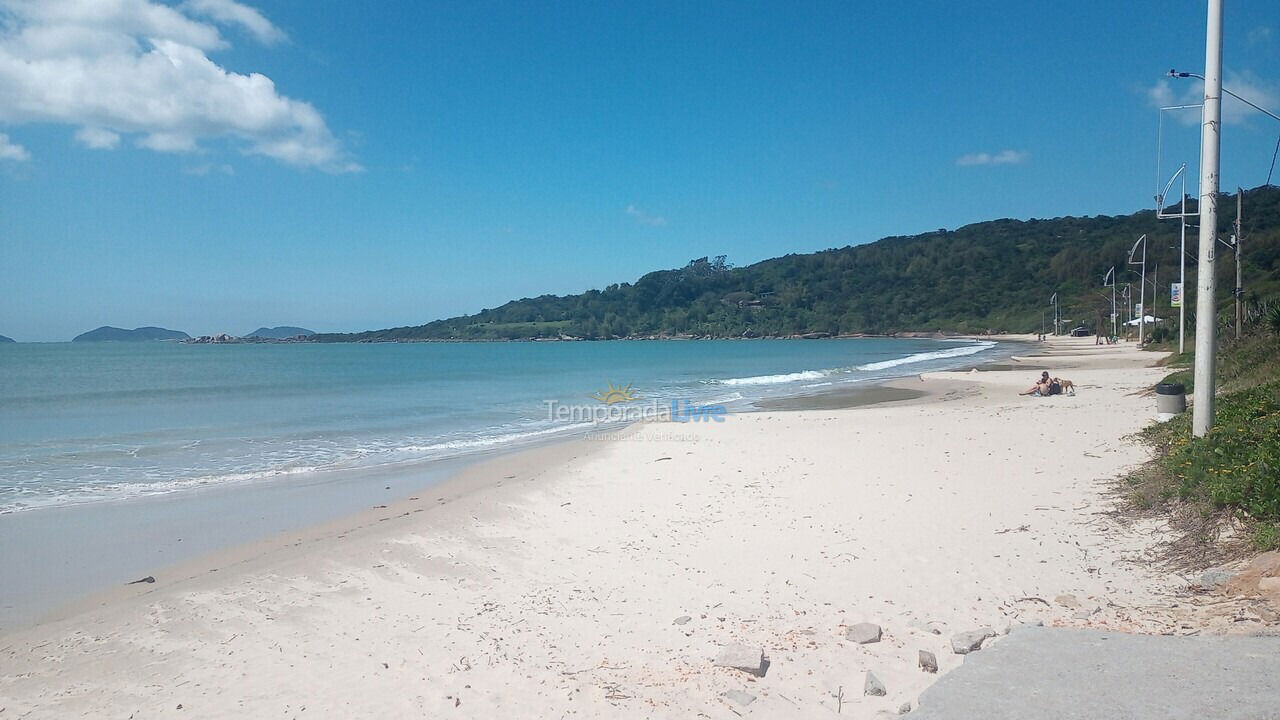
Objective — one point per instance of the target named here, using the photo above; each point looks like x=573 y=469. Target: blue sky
x=215 y=166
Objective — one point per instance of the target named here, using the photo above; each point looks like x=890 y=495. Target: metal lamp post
x=1110 y=279
x=1142 y=286
x=1182 y=253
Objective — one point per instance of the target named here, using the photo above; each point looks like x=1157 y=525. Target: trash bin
x=1171 y=400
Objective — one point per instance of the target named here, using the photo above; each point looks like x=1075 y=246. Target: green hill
x=280 y=333
x=989 y=276
x=106 y=333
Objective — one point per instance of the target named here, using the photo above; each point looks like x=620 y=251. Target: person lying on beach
x=1047 y=386
x=1041 y=386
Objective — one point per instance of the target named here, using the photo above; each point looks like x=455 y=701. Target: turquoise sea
x=102 y=422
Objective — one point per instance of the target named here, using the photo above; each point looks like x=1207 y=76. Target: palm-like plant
x=1272 y=318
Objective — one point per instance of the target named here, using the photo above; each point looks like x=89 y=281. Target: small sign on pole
x=1175 y=294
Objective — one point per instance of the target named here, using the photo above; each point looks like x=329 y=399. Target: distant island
x=990 y=276
x=4 y=339
x=280 y=333
x=106 y=333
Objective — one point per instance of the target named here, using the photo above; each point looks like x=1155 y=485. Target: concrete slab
x=1074 y=674
x=743 y=657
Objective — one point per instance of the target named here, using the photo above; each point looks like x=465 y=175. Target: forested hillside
x=989 y=276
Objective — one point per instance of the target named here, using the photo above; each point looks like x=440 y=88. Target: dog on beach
x=1047 y=386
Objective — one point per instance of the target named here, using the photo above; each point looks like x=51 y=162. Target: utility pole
x=1239 y=245
x=1210 y=146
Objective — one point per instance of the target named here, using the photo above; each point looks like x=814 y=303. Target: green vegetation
x=1234 y=471
x=990 y=276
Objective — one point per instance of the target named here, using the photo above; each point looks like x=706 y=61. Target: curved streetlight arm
x=1176 y=74
x=1181 y=169
x=1134 y=249
x=1165 y=193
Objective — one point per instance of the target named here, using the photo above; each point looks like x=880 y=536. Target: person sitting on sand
x=1041 y=388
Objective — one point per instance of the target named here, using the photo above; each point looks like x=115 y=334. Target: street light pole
x=1210 y=146
x=1054 y=302
x=1182 y=254
x=1142 y=287
x=1111 y=276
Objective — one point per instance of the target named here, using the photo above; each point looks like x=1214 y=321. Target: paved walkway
x=1071 y=674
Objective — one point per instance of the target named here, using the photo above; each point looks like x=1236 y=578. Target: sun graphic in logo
x=614 y=395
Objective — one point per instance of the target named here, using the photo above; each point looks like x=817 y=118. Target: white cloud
x=141 y=68
x=1260 y=34
x=10 y=150
x=1004 y=157
x=98 y=138
x=168 y=142
x=53 y=19
x=1190 y=91
x=229 y=11
x=645 y=218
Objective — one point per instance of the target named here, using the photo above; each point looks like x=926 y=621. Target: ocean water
x=104 y=422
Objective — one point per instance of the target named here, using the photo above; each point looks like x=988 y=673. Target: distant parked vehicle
x=1081 y=331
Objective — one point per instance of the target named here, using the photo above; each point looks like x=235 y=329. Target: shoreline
x=904 y=335
x=178 y=529
x=530 y=578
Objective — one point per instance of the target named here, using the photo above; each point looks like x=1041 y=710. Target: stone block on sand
x=967 y=642
x=873 y=686
x=742 y=657
x=928 y=662
x=863 y=633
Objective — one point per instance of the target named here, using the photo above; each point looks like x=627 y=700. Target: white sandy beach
x=548 y=584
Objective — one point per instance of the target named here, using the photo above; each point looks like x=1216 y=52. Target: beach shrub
x=1235 y=467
